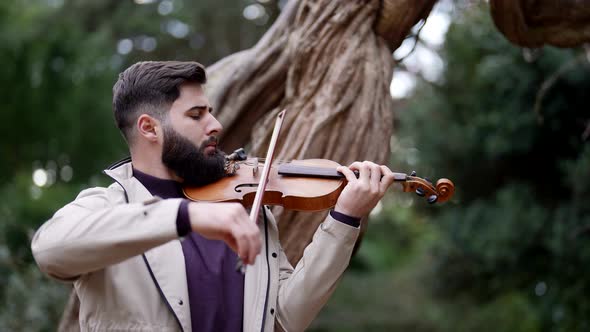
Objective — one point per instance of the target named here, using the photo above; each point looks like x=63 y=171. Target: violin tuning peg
x=241 y=154
x=428 y=180
x=237 y=155
x=432 y=199
x=420 y=192
x=413 y=173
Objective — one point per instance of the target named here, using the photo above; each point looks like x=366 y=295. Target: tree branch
x=549 y=82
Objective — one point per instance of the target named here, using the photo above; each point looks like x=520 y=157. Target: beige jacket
x=119 y=247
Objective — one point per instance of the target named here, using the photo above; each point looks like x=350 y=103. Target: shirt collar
x=159 y=187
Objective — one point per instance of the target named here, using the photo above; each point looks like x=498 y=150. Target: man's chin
x=209 y=150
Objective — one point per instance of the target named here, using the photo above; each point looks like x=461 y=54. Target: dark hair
x=151 y=87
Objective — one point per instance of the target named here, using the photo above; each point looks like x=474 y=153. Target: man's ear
x=148 y=127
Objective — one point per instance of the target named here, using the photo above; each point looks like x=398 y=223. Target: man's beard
x=189 y=161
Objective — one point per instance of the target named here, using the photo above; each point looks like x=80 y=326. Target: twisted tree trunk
x=329 y=62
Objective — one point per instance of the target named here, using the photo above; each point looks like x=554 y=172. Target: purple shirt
x=215 y=288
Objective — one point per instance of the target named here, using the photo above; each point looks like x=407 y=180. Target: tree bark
x=533 y=23
x=327 y=63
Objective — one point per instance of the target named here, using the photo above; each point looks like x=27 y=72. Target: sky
x=424 y=59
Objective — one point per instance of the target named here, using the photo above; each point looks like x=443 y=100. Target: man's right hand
x=228 y=222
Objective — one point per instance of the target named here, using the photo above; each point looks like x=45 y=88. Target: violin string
x=263 y=160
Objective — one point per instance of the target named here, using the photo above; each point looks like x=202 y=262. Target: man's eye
x=196 y=117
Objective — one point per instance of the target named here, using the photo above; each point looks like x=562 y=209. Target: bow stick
x=264 y=177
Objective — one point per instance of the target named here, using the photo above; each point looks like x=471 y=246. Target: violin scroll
x=442 y=192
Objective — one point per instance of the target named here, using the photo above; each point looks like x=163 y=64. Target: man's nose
x=214 y=126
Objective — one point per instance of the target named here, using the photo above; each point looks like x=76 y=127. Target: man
x=143 y=258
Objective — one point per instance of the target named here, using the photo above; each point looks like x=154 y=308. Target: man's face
x=190 y=138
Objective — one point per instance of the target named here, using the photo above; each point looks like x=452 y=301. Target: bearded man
x=143 y=258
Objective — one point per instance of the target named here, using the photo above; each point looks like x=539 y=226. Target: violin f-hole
x=239 y=187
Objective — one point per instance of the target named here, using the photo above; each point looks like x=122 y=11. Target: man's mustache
x=209 y=141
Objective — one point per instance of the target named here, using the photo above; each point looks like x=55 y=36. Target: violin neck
x=309 y=171
x=322 y=172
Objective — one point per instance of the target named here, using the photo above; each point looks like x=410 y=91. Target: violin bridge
x=255 y=167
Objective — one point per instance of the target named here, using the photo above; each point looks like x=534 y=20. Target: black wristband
x=343 y=218
x=183 y=223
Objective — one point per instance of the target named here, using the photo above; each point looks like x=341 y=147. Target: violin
x=300 y=185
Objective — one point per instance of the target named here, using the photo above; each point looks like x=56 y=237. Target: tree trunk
x=533 y=23
x=323 y=61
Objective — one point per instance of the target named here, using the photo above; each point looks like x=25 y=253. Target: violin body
x=299 y=193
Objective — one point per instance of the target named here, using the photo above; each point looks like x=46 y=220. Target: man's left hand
x=361 y=194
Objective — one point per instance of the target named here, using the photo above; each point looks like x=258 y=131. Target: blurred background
x=509 y=126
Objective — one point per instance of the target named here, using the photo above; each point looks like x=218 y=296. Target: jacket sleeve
x=303 y=291
x=93 y=232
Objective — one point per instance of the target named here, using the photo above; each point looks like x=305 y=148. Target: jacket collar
x=122 y=172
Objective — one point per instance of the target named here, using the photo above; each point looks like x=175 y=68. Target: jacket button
x=272 y=311
x=145 y=213
x=274 y=254
x=180 y=302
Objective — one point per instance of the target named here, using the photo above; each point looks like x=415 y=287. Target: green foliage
x=518 y=224
x=32 y=303
x=391 y=286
